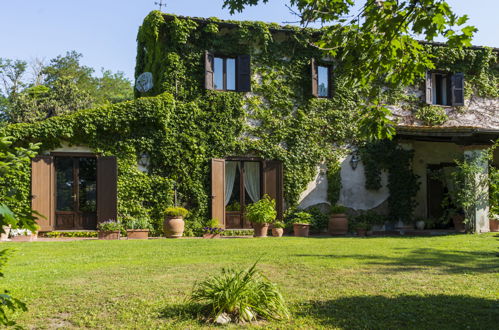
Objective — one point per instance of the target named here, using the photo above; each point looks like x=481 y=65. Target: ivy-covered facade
x=242 y=109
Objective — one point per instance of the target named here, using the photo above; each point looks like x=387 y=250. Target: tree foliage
x=63 y=85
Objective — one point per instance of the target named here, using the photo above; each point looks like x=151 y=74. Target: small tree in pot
x=138 y=229
x=338 y=222
x=261 y=214
x=109 y=229
x=301 y=223
x=173 y=226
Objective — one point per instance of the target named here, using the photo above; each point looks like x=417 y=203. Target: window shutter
x=208 y=70
x=273 y=184
x=429 y=88
x=457 y=85
x=107 y=189
x=218 y=190
x=244 y=73
x=43 y=191
x=313 y=68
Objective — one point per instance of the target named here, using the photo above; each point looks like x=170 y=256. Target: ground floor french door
x=73 y=191
x=76 y=193
x=237 y=182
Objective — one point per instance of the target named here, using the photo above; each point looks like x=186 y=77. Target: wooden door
x=273 y=184
x=107 y=189
x=218 y=190
x=42 y=191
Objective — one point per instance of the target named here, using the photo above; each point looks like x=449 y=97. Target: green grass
x=426 y=282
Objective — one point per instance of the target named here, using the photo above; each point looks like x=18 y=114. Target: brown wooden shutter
x=273 y=184
x=218 y=190
x=457 y=87
x=429 y=88
x=315 y=78
x=107 y=189
x=244 y=73
x=43 y=191
x=208 y=70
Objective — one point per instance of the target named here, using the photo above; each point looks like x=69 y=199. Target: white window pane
x=218 y=73
x=231 y=74
x=323 y=81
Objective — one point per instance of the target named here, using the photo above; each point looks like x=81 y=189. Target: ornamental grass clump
x=240 y=296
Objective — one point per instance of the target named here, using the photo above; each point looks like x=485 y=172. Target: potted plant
x=420 y=223
x=24 y=235
x=109 y=230
x=301 y=223
x=361 y=228
x=278 y=228
x=173 y=225
x=338 y=222
x=138 y=229
x=261 y=214
x=213 y=230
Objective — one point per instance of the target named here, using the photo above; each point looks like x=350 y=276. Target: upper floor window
x=445 y=88
x=321 y=80
x=227 y=73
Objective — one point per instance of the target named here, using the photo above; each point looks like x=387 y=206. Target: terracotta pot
x=494 y=225
x=301 y=229
x=338 y=224
x=137 y=233
x=208 y=235
x=109 y=235
x=458 y=221
x=277 y=232
x=173 y=227
x=261 y=229
x=24 y=238
x=361 y=232
x=5 y=235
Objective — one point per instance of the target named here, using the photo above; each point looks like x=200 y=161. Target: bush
x=176 y=212
x=262 y=211
x=243 y=295
x=432 y=115
x=319 y=219
x=368 y=219
x=109 y=225
x=302 y=218
x=279 y=224
x=338 y=209
x=140 y=223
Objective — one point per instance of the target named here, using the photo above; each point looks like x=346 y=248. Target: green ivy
x=432 y=115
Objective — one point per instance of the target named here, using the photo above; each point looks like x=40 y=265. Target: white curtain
x=230 y=175
x=252 y=180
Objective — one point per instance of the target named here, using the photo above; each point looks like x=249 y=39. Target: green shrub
x=302 y=218
x=58 y=234
x=494 y=191
x=176 y=212
x=279 y=224
x=361 y=225
x=109 y=225
x=366 y=220
x=262 y=211
x=432 y=115
x=244 y=295
x=338 y=209
x=319 y=219
x=139 y=223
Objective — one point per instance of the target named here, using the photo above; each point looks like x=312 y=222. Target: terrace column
x=480 y=214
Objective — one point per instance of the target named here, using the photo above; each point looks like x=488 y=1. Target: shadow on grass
x=443 y=261
x=404 y=312
x=183 y=312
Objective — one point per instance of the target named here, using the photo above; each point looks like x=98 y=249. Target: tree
x=377 y=45
x=63 y=85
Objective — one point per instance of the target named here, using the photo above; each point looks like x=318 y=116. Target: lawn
x=446 y=282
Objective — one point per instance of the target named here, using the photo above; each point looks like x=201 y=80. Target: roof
x=455 y=134
x=276 y=27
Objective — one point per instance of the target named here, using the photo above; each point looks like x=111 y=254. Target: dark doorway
x=76 y=192
x=439 y=200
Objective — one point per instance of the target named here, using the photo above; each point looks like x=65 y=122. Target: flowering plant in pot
x=24 y=235
x=109 y=229
x=278 y=228
x=261 y=214
x=338 y=221
x=301 y=223
x=213 y=230
x=173 y=225
x=138 y=228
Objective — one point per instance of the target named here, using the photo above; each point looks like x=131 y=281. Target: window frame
x=450 y=90
x=315 y=78
x=224 y=73
x=328 y=67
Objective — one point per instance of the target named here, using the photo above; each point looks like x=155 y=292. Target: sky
x=104 y=31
